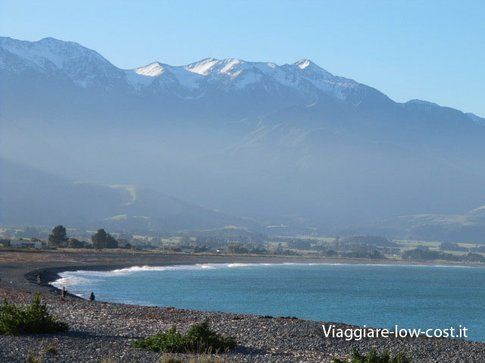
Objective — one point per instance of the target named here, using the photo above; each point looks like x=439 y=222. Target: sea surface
x=372 y=295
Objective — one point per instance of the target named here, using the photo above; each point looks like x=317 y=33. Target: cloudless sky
x=432 y=50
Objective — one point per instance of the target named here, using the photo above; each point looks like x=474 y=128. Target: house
x=26 y=243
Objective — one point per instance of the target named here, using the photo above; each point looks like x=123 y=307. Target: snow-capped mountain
x=50 y=56
x=86 y=68
x=304 y=77
x=302 y=82
x=249 y=138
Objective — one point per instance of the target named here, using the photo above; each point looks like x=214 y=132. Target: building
x=26 y=243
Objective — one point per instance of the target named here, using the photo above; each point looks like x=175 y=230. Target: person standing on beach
x=63 y=293
x=92 y=297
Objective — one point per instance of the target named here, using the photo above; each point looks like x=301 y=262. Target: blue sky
x=432 y=50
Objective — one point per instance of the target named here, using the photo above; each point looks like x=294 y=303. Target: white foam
x=233 y=265
x=70 y=279
x=84 y=277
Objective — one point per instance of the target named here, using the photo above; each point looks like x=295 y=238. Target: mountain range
x=290 y=144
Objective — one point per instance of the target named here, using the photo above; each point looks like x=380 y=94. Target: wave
x=87 y=277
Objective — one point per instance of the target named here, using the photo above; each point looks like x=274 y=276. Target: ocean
x=372 y=295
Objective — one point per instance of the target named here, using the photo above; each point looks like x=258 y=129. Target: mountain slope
x=286 y=141
x=86 y=68
x=31 y=197
x=466 y=227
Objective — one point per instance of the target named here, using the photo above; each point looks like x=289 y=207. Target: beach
x=101 y=331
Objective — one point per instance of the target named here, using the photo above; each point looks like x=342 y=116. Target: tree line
x=101 y=239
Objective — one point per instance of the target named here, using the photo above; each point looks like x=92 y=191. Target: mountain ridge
x=302 y=74
x=250 y=138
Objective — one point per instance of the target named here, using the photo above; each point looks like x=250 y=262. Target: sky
x=432 y=50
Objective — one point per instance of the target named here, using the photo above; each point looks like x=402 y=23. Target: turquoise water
x=372 y=295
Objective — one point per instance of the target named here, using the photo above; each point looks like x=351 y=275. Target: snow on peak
x=311 y=69
x=85 y=66
x=229 y=65
x=168 y=75
x=214 y=69
x=82 y=65
x=237 y=73
x=154 y=69
x=211 y=66
x=51 y=50
x=202 y=67
x=304 y=63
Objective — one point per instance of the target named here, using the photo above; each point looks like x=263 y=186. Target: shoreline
x=103 y=330
x=51 y=275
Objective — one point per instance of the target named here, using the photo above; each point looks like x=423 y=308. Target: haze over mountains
x=291 y=144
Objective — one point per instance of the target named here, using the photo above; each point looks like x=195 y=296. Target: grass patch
x=33 y=358
x=51 y=348
x=374 y=357
x=198 y=339
x=31 y=319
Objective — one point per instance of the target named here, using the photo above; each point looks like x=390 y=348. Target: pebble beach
x=105 y=332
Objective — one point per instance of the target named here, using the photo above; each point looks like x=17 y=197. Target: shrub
x=199 y=339
x=33 y=358
x=170 y=341
x=32 y=319
x=374 y=357
x=51 y=348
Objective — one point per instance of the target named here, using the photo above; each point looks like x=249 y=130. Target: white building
x=25 y=243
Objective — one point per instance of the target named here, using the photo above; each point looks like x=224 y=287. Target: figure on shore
x=63 y=293
x=39 y=280
x=92 y=297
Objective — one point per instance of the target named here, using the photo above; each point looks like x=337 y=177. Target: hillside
x=31 y=197
x=290 y=142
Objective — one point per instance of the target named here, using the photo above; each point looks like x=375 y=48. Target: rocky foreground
x=104 y=332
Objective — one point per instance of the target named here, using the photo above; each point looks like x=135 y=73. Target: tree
x=75 y=243
x=111 y=242
x=58 y=236
x=101 y=239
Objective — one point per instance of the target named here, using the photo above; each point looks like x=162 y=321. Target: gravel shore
x=105 y=331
